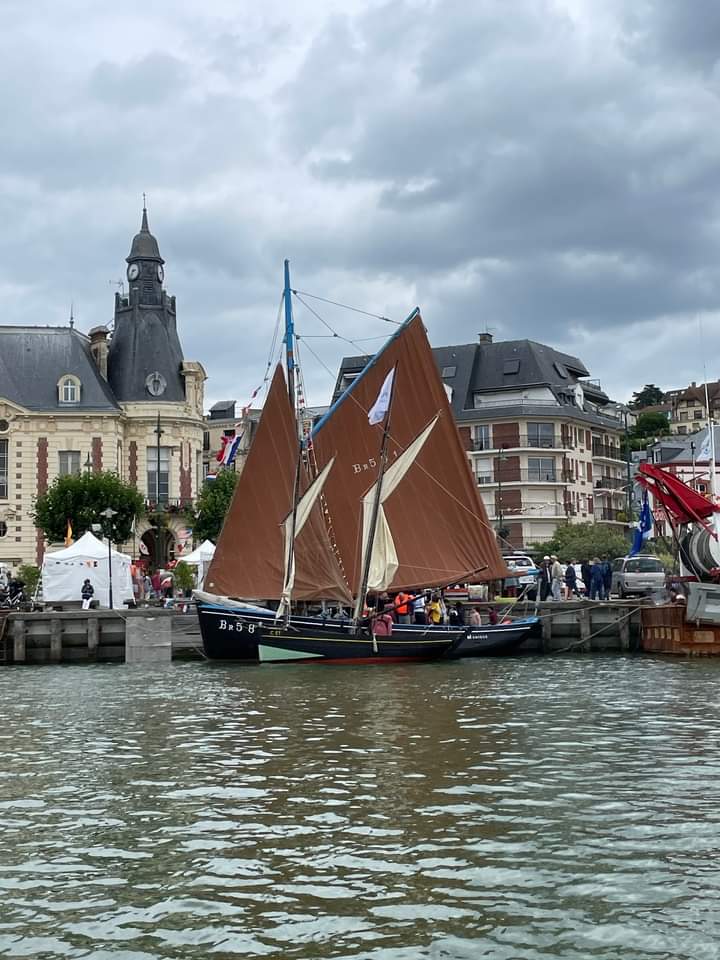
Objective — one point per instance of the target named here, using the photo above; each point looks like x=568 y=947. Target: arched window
x=69 y=389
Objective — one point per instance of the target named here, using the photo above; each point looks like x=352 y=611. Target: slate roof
x=484 y=368
x=678 y=447
x=144 y=245
x=145 y=340
x=32 y=361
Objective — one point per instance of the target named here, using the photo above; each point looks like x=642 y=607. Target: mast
x=359 y=602
x=289 y=336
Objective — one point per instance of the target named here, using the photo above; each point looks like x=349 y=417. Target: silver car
x=637 y=576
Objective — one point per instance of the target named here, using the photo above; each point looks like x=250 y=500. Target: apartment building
x=543 y=440
x=689 y=407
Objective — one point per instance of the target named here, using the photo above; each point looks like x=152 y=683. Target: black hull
x=496 y=640
x=253 y=636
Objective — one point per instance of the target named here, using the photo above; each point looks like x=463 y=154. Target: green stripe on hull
x=270 y=654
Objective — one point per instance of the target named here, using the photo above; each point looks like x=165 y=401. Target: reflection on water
x=505 y=809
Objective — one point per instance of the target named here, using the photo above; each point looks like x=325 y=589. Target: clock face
x=133 y=271
x=160 y=273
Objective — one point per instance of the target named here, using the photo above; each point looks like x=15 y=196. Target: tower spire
x=144 y=226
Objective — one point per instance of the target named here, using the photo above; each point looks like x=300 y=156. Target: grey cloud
x=141 y=83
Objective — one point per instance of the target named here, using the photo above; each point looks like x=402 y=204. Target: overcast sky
x=539 y=168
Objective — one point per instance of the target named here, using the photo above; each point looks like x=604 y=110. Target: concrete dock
x=152 y=634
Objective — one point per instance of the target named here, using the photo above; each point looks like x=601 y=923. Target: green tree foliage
x=81 y=500
x=651 y=425
x=213 y=504
x=647 y=397
x=583 y=541
x=29 y=574
x=183 y=577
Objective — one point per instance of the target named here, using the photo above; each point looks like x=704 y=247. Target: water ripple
x=520 y=809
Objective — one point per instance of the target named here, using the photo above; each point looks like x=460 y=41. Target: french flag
x=230 y=450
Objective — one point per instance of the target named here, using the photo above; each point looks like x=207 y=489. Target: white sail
x=302 y=513
x=384 y=559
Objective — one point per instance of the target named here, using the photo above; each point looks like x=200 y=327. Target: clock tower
x=145 y=357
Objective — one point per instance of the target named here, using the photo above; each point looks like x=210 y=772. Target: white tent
x=200 y=558
x=64 y=571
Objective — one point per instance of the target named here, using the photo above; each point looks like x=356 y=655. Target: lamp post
x=692 y=457
x=88 y=464
x=109 y=513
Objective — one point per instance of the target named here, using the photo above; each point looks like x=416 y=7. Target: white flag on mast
x=381 y=406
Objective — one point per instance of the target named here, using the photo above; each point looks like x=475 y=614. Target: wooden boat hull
x=235 y=633
x=665 y=630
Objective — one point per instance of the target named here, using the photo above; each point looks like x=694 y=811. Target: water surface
x=523 y=808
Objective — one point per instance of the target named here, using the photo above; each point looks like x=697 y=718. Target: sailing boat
x=380 y=498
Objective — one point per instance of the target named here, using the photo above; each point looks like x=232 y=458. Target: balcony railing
x=524 y=475
x=538 y=511
x=607 y=513
x=524 y=442
x=606 y=451
x=609 y=483
x=167 y=504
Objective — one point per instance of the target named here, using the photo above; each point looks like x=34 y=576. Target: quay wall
x=77 y=636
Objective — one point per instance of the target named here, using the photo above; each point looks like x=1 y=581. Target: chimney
x=693 y=384
x=99 y=349
x=485 y=337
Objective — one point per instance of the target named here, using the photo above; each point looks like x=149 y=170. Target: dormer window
x=69 y=390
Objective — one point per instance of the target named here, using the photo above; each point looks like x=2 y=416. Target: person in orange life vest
x=402 y=607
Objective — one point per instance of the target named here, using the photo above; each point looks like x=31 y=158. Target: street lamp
x=109 y=513
x=692 y=457
x=88 y=464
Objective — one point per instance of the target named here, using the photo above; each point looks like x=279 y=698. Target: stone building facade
x=123 y=400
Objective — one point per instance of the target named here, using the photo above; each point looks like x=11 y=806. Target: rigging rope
x=345 y=306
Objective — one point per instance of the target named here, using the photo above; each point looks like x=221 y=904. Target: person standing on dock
x=570 y=581
x=607 y=577
x=586 y=571
x=596 y=579
x=544 y=578
x=556 y=578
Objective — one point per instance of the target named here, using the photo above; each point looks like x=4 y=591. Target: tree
x=651 y=425
x=29 y=574
x=80 y=500
x=647 y=397
x=212 y=505
x=583 y=541
x=184 y=578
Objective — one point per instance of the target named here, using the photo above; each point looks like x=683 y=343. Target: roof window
x=68 y=389
x=561 y=369
x=511 y=366
x=448 y=372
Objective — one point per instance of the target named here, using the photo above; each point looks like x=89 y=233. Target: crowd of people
x=423 y=608
x=558 y=582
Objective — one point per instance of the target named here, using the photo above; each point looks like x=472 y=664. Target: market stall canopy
x=64 y=571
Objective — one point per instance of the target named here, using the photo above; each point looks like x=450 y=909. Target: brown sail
x=437 y=519
x=249 y=561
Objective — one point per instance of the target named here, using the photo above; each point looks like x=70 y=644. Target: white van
x=637 y=576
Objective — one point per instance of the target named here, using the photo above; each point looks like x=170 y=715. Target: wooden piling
x=18 y=632
x=624 y=630
x=93 y=633
x=546 y=631
x=585 y=625
x=55 y=641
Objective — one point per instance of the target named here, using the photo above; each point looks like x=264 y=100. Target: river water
x=521 y=808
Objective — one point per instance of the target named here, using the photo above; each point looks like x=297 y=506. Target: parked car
x=524 y=570
x=637 y=576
